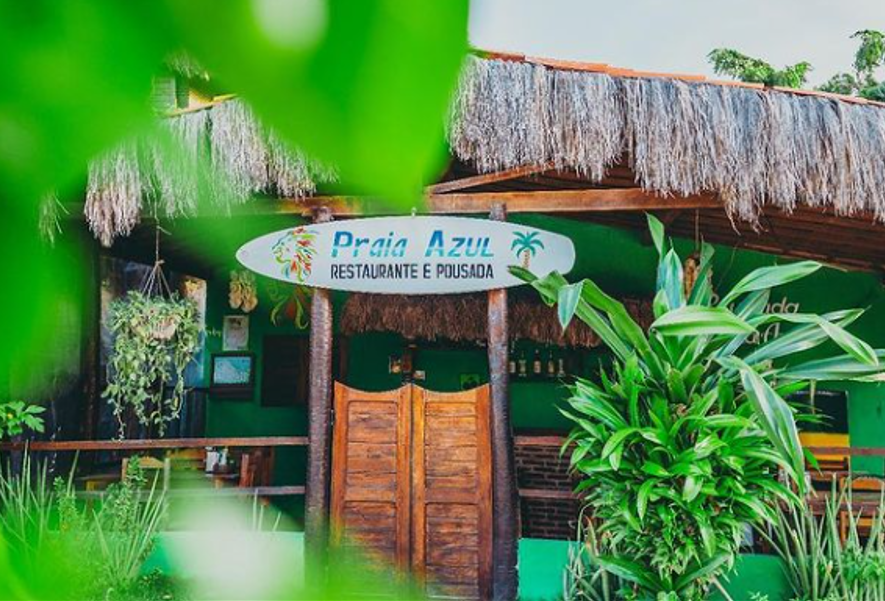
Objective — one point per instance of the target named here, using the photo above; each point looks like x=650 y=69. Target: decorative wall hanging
x=243 y=293
x=291 y=303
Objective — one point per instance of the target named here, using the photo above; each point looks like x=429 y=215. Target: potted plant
x=155 y=338
x=679 y=445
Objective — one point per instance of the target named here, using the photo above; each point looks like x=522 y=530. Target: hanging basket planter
x=164 y=330
x=156 y=335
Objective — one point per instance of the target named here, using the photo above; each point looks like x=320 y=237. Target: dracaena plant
x=680 y=445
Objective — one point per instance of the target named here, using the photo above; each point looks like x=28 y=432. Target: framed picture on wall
x=233 y=375
x=235 y=333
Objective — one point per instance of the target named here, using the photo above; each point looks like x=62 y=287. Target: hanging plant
x=243 y=292
x=155 y=338
x=156 y=335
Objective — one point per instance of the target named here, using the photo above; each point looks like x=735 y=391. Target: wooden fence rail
x=850 y=451
x=302 y=441
x=155 y=444
x=174 y=444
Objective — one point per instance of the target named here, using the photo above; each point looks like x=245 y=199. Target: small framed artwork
x=233 y=375
x=235 y=333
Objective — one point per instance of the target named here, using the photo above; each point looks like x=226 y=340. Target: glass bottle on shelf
x=522 y=365
x=536 y=363
x=511 y=361
x=551 y=365
x=560 y=371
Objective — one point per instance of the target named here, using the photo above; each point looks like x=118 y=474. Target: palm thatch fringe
x=176 y=184
x=243 y=159
x=464 y=318
x=753 y=147
x=114 y=193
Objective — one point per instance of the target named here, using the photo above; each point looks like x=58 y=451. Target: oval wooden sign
x=407 y=255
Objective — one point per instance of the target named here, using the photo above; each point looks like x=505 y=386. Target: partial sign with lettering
x=407 y=255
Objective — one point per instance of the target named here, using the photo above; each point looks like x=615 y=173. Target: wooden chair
x=864 y=522
x=187 y=459
x=256 y=468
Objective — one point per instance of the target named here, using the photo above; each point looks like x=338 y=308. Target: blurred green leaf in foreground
x=363 y=86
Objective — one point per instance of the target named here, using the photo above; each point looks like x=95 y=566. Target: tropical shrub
x=155 y=338
x=680 y=443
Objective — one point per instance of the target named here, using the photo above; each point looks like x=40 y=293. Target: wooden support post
x=505 y=578
x=90 y=351
x=316 y=503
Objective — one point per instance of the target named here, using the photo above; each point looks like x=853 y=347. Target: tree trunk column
x=316 y=505
x=505 y=578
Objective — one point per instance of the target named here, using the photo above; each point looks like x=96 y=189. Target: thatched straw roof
x=680 y=135
x=464 y=318
x=245 y=159
x=752 y=146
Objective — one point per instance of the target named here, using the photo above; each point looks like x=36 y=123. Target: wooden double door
x=412 y=485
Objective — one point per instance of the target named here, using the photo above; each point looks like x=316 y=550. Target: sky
x=674 y=36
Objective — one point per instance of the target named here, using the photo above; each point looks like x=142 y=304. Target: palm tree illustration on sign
x=526 y=245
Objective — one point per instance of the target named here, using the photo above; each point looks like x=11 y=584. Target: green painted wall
x=542 y=564
x=621 y=263
x=246 y=417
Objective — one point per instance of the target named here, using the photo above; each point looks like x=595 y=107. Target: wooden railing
x=159 y=444
x=155 y=444
x=850 y=451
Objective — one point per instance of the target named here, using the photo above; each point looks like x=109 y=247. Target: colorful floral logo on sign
x=525 y=245
x=295 y=252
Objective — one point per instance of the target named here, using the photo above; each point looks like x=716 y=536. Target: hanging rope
x=155 y=283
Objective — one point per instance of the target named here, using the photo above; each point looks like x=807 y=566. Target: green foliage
x=870 y=55
x=819 y=565
x=363 y=86
x=679 y=445
x=126 y=526
x=732 y=63
x=26 y=508
x=15 y=416
x=585 y=580
x=155 y=339
x=61 y=547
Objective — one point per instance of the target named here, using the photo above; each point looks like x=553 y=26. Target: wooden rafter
x=487 y=178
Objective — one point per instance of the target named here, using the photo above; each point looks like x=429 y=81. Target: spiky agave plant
x=680 y=445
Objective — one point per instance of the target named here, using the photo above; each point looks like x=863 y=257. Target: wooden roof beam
x=551 y=202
